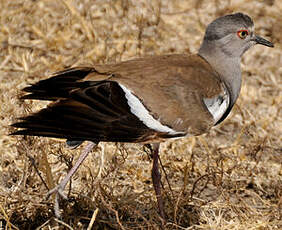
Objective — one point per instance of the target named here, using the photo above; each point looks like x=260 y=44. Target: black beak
x=262 y=41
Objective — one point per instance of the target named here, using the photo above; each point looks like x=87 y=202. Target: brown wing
x=83 y=110
x=172 y=87
x=90 y=104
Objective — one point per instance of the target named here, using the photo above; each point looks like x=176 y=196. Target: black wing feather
x=83 y=110
x=59 y=85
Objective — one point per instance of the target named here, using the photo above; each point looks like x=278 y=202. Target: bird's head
x=233 y=34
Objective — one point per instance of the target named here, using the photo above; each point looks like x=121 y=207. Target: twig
x=63 y=223
x=32 y=160
x=195 y=183
x=93 y=218
x=166 y=177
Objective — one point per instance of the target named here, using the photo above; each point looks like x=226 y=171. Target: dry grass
x=230 y=178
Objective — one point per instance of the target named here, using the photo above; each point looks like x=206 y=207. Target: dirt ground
x=230 y=178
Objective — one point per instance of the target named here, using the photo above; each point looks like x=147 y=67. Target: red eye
x=242 y=34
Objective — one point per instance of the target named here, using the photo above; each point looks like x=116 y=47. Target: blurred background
x=230 y=178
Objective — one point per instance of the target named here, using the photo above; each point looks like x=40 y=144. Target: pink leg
x=156 y=178
x=58 y=190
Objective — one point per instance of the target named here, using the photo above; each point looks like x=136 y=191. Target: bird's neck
x=226 y=66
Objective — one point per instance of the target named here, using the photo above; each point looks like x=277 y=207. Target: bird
x=145 y=100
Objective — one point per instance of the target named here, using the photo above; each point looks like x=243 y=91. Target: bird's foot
x=58 y=191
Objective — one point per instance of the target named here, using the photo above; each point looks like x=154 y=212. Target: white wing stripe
x=139 y=110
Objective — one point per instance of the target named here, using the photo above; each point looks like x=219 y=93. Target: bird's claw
x=59 y=191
